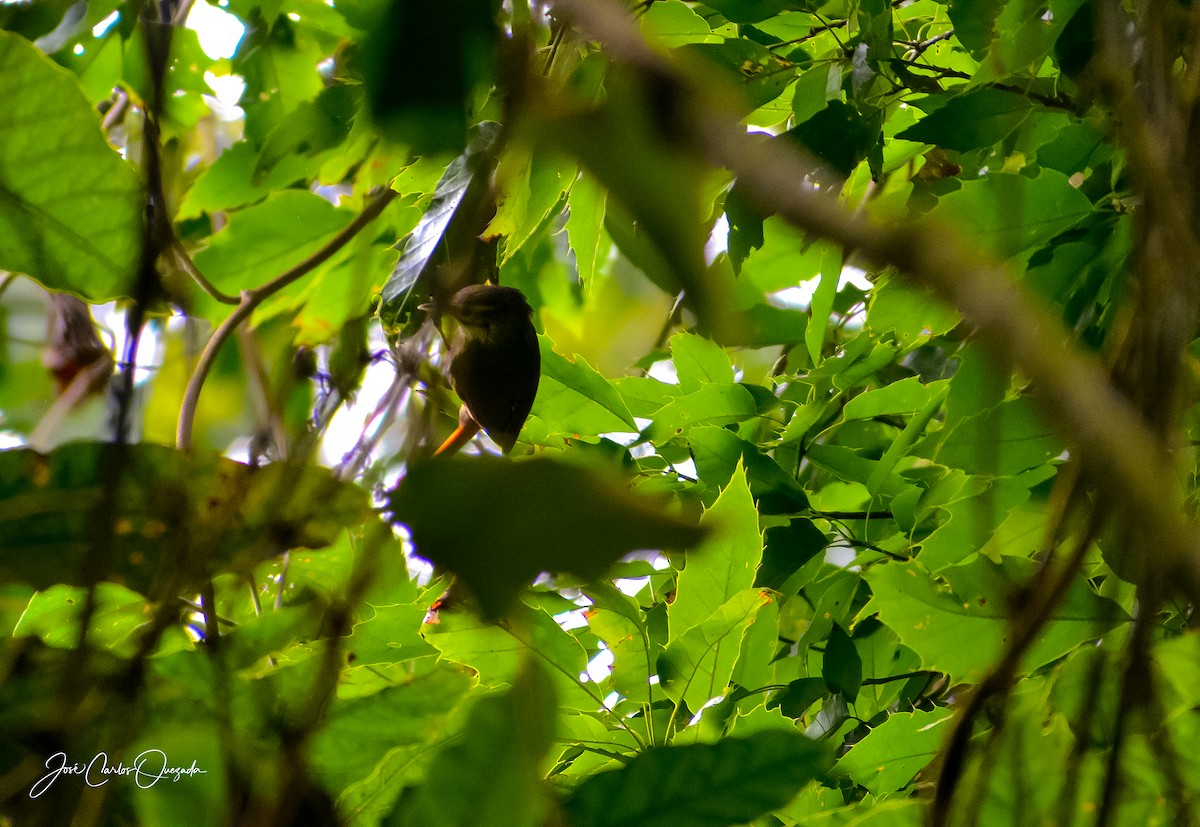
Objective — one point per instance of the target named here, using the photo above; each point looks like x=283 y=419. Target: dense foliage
x=857 y=489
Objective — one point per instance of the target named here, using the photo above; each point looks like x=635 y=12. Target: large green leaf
x=733 y=781
x=497 y=523
x=958 y=626
x=896 y=750
x=492 y=776
x=980 y=117
x=1009 y=214
x=70 y=206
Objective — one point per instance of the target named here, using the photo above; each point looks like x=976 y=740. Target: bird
x=495 y=363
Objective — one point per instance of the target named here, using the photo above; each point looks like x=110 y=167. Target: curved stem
x=251 y=299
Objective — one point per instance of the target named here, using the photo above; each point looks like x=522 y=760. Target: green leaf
x=841 y=666
x=262 y=241
x=733 y=781
x=698 y=360
x=712 y=404
x=358 y=733
x=697 y=665
x=1010 y=214
x=585 y=225
x=896 y=750
x=1000 y=441
x=70 y=206
x=822 y=302
x=906 y=396
x=749 y=67
x=977 y=118
x=574 y=399
x=718 y=452
x=532 y=195
x=227 y=183
x=674 y=23
x=428 y=110
x=724 y=564
x=311 y=127
x=958 y=626
x=497 y=523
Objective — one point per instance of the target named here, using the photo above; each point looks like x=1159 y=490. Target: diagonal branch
x=250 y=301
x=1125 y=458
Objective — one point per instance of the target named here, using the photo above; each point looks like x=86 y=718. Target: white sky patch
x=599 y=667
x=800 y=296
x=664 y=371
x=227 y=89
x=219 y=31
x=352 y=418
x=104 y=25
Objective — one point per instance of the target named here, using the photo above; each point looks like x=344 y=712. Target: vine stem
x=249 y=302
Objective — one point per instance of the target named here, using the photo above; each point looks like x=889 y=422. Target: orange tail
x=467 y=428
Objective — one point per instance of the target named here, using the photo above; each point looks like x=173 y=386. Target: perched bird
x=495 y=363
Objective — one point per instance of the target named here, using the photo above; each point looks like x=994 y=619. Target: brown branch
x=250 y=301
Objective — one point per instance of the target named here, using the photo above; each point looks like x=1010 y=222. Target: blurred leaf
x=54 y=508
x=311 y=127
x=70 y=206
x=748 y=66
x=411 y=102
x=1010 y=214
x=730 y=782
x=658 y=181
x=497 y=523
x=358 y=733
x=492 y=776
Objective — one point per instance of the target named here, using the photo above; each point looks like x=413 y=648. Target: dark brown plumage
x=495 y=363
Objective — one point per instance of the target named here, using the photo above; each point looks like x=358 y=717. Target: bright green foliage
x=787 y=539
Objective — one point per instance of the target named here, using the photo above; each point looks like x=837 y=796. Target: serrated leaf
x=733 y=781
x=585 y=227
x=70 y=206
x=697 y=360
x=896 y=750
x=697 y=665
x=573 y=398
x=724 y=564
